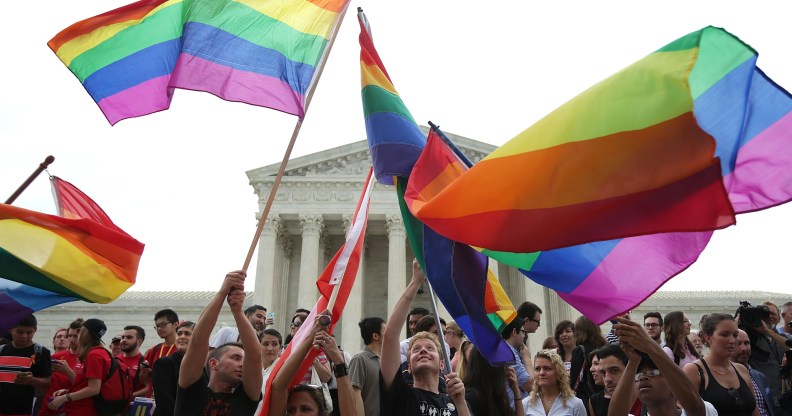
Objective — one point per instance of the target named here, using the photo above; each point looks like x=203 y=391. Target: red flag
x=339 y=276
x=73 y=204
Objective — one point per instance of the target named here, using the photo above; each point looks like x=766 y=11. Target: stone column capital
x=311 y=224
x=272 y=225
x=394 y=224
x=285 y=241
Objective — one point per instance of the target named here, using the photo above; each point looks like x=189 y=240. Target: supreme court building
x=306 y=226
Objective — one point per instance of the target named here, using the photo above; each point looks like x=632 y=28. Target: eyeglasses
x=524 y=331
x=538 y=322
x=651 y=325
x=648 y=373
x=296 y=324
x=735 y=394
x=162 y=325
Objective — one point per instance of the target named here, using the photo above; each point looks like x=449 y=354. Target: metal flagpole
x=42 y=166
x=282 y=168
x=441 y=334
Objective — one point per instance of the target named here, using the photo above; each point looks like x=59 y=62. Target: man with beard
x=653 y=325
x=256 y=314
x=138 y=368
x=660 y=383
x=741 y=354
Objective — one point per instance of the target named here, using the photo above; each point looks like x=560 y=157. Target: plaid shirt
x=760 y=399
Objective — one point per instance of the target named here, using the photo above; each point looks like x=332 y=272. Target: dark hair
x=221 y=350
x=418 y=311
x=169 y=314
x=370 y=326
x=549 y=343
x=507 y=331
x=252 y=309
x=426 y=323
x=76 y=324
x=273 y=333
x=480 y=377
x=29 y=321
x=190 y=324
x=559 y=329
x=528 y=310
x=303 y=316
x=612 y=350
x=654 y=315
x=587 y=333
x=708 y=325
x=141 y=334
x=301 y=310
x=675 y=337
x=316 y=394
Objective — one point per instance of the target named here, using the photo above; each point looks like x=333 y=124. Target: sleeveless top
x=728 y=402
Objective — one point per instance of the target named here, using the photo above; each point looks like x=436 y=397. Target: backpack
x=116 y=392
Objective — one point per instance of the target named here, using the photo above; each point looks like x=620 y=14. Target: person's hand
x=418 y=275
x=633 y=334
x=269 y=321
x=57 y=366
x=511 y=378
x=235 y=300
x=145 y=372
x=329 y=346
x=59 y=398
x=24 y=378
x=629 y=350
x=233 y=280
x=455 y=388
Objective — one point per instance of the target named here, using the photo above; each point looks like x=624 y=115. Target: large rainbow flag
x=46 y=259
x=394 y=138
x=458 y=274
x=706 y=83
x=254 y=51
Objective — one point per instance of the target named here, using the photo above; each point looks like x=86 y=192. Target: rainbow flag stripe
x=78 y=258
x=253 y=51
x=750 y=119
x=394 y=138
x=630 y=156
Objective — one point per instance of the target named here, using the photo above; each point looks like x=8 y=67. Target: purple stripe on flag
x=761 y=181
x=145 y=98
x=18 y=300
x=194 y=73
x=633 y=270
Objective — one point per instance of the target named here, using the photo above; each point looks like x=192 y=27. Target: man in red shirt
x=138 y=368
x=64 y=366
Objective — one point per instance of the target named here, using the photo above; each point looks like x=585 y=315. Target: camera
x=752 y=316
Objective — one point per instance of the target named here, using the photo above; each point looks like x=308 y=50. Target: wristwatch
x=340 y=370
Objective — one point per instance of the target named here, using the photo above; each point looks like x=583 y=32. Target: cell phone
x=271 y=315
x=613 y=321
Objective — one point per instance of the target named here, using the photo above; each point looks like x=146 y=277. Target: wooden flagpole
x=282 y=168
x=42 y=166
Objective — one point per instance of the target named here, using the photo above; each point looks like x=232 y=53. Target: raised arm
x=681 y=386
x=280 y=384
x=195 y=358
x=251 y=364
x=346 y=396
x=390 y=358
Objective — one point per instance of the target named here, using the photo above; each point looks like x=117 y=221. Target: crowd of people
x=730 y=365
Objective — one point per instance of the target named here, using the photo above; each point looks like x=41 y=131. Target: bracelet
x=340 y=370
x=68 y=397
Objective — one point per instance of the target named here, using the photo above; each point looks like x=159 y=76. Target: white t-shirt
x=573 y=407
x=224 y=336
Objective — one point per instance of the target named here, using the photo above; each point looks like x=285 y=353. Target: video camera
x=752 y=316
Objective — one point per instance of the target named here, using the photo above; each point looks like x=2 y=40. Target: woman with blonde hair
x=551 y=394
x=453 y=337
x=464 y=356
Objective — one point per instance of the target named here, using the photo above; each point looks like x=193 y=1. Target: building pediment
x=352 y=160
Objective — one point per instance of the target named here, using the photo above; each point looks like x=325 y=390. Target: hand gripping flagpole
x=282 y=168
x=42 y=166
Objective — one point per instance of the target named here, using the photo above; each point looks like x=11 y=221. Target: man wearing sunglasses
x=660 y=384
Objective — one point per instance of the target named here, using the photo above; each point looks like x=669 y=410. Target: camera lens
x=324 y=320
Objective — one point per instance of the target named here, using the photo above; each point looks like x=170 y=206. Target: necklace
x=723 y=373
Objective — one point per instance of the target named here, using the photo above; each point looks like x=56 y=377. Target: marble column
x=265 y=264
x=397 y=259
x=353 y=313
x=535 y=293
x=311 y=227
x=280 y=290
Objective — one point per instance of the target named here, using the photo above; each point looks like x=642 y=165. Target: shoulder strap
x=701 y=377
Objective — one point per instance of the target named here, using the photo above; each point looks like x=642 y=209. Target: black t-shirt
x=16 y=398
x=403 y=400
x=600 y=404
x=199 y=400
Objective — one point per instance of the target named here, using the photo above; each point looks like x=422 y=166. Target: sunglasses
x=296 y=324
x=648 y=373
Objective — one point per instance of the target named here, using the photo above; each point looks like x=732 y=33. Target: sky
x=176 y=180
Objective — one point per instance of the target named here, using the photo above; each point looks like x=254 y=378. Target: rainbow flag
x=253 y=51
x=46 y=259
x=458 y=275
x=394 y=138
x=745 y=115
